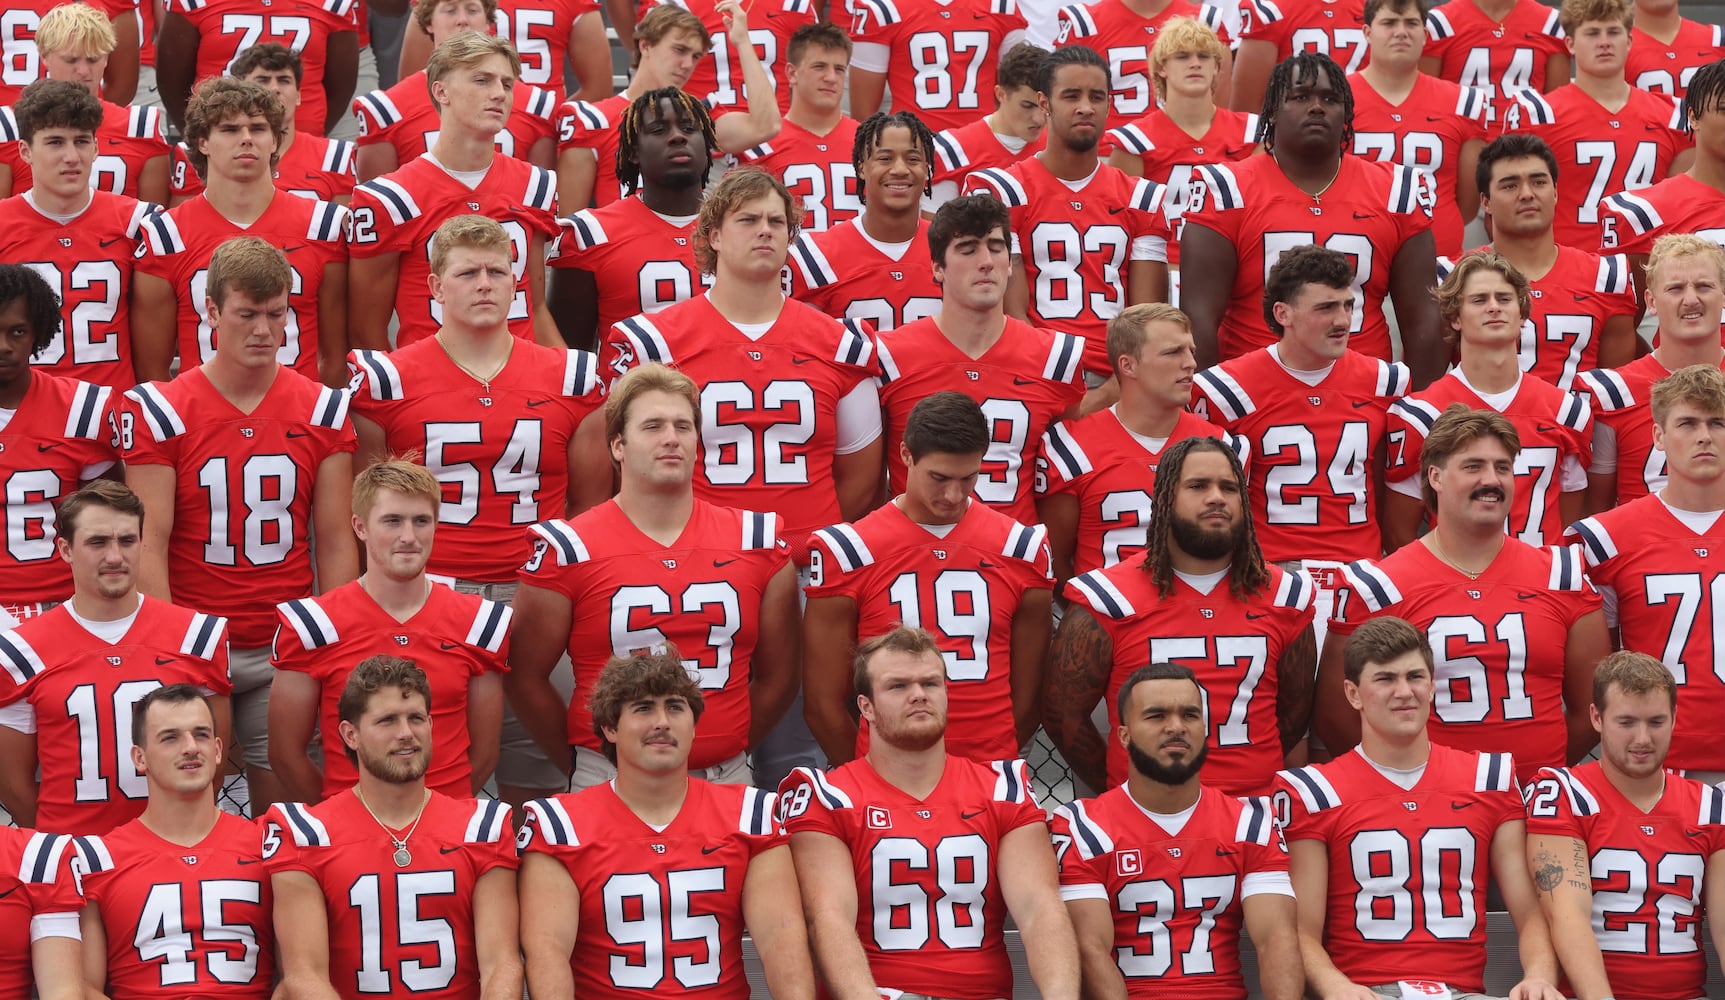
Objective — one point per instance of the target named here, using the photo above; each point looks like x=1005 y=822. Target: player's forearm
x=784 y=949
x=298 y=775
x=1422 y=347
x=540 y=707
x=120 y=78
x=549 y=976
x=57 y=963
x=577 y=169
x=1281 y=976
x=1322 y=976
x=1050 y=948
x=769 y=697
x=832 y=727
x=368 y=313
x=763 y=103
x=843 y=965
x=1101 y=976
x=1030 y=628
x=502 y=980
x=867 y=88
x=340 y=75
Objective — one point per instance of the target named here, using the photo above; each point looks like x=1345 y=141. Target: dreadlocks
x=1706 y=93
x=629 y=132
x=41 y=302
x=868 y=139
x=1247 y=575
x=1299 y=66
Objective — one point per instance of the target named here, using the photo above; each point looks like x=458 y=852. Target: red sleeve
x=1549 y=810
x=828 y=576
x=1291 y=814
x=1075 y=868
x=804 y=806
x=281 y=853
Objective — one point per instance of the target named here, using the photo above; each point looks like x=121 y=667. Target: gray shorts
x=147 y=95
x=520 y=762
x=1394 y=990
x=251 y=673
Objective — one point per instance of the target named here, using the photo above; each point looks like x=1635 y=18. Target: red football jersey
x=1256 y=208
x=127 y=139
x=20 y=61
x=404 y=117
x=55 y=441
x=539 y=30
x=768 y=406
x=1645 y=136
x=963 y=585
x=1623 y=422
x=1630 y=221
x=1656 y=575
x=191 y=921
x=930 y=914
x=1170 y=155
x=1077 y=244
x=1556 y=446
x=816 y=169
x=1176 y=897
x=629 y=593
x=1426 y=130
x=80 y=691
x=313 y=167
x=228 y=27
x=87 y=260
x=1124 y=37
x=884 y=285
x=594 y=125
x=1234 y=645
x=1498 y=57
x=177 y=245
x=500 y=448
x=454 y=638
x=36 y=879
x=1311 y=466
x=1498 y=642
x=395 y=929
x=976 y=146
x=400 y=212
x=942 y=72
x=1408 y=866
x=1336 y=29
x=642 y=888
x=719 y=80
x=1666 y=69
x=1111 y=472
x=243 y=485
x=1028 y=380
x=641 y=262
x=1648 y=872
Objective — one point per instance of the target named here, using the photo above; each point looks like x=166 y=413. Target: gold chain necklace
x=1438 y=550
x=402 y=856
x=483 y=380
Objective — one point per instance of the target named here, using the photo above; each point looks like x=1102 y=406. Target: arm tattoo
x=1076 y=677
x=1547 y=873
x=1297 y=688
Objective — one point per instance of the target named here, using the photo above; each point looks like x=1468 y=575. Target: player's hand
x=736 y=21
x=1352 y=991
x=1535 y=989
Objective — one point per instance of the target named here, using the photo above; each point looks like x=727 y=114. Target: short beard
x=396 y=771
x=1206 y=544
x=1166 y=774
x=1078 y=145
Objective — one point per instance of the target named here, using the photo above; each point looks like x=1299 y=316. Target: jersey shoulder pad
x=1437 y=24
x=1566 y=569
x=1314 y=789
x=329 y=222
x=8 y=125
x=1471 y=102
x=591 y=117
x=760 y=530
x=831 y=796
x=540 y=103
x=378 y=107
x=1012 y=781
x=1024 y=542
x=1535 y=109
x=144 y=122
x=297 y=819
x=331 y=408
x=1444 y=267
x=159 y=415
x=489 y=823
x=889 y=370
x=1228 y=395
x=1417 y=413
x=1613 y=276
x=1636 y=210
x=587 y=229
x=846 y=544
x=1372 y=584
x=338 y=157
x=490 y=625
x=1256 y=824
x=1610 y=391
x=43 y=852
x=1553 y=25
x=1574 y=412
x=1133 y=139
x=949 y=152
x=1147 y=195
x=555 y=825
x=541 y=190
x=340 y=8
x=798 y=6
x=1064 y=452
x=205 y=636
x=1089 y=836
x=811 y=264
x=563 y=540
x=1104 y=598
x=377 y=371
x=580 y=374
x=1394 y=379
x=1496 y=773
x=1597 y=545
x=309 y=621
x=162 y=235
x=1003 y=186
x=650 y=344
x=757 y=817
x=1582 y=801
x=1007 y=7
x=18 y=658
x=883 y=12
x=855 y=346
x=1264 y=11
x=1065 y=357
x=1411 y=190
x=1222 y=186
x=84 y=417
x=1712 y=809
x=1075 y=21
x=397 y=200
x=1295 y=590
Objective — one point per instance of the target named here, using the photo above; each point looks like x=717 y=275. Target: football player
x=556 y=38
x=40 y=942
x=656 y=564
x=1516 y=630
x=812 y=152
x=1272 y=31
x=1650 y=558
x=1160 y=874
x=723 y=80
x=999 y=140
x=871 y=267
x=1404 y=116
x=1391 y=846
x=933 y=68
x=459 y=640
x=1094 y=475
x=1087 y=240
x=1583 y=306
x=79 y=240
x=391 y=887
x=866 y=837
x=1484 y=299
x=1024 y=378
x=396 y=216
x=174 y=897
x=1309 y=190
x=934 y=557
x=1666 y=48
x=239 y=462
x=18 y=48
x=1621 y=823
x=1499 y=46
x=609 y=873
x=72 y=674
x=1686 y=294
x=1117 y=29
x=233 y=135
x=55 y=441
x=1645 y=141
x=199 y=40
x=1202 y=595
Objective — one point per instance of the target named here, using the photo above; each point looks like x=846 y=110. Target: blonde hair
x=1681 y=245
x=1128 y=331
x=469 y=48
x=1574 y=13
x=477 y=232
x=250 y=265
x=644 y=379
x=75 y=29
x=1701 y=386
x=398 y=474
x=1183 y=34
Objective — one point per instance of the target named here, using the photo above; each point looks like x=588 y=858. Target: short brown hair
x=374 y=674
x=167 y=694
x=666 y=19
x=469 y=48
x=1680 y=245
x=250 y=265
x=1179 y=35
x=819 y=35
x=100 y=493
x=1632 y=673
x=1701 y=386
x=422 y=14
x=56 y=104
x=1128 y=331
x=905 y=639
x=472 y=232
x=1294 y=270
x=270 y=57
x=1020 y=67
x=1574 y=13
x=1374 y=6
x=398 y=474
x=220 y=98
x=736 y=188
x=75 y=29
x=639 y=381
x=641 y=675
x=1379 y=641
x=1449 y=293
x=1455 y=429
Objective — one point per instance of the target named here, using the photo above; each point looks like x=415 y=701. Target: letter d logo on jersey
x=879 y=819
x=1128 y=862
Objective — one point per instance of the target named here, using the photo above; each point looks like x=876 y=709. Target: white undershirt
x=1203 y=583
x=469 y=179
x=30 y=197
x=1406 y=779
x=1311 y=378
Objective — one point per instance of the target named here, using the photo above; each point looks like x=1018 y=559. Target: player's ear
x=1351 y=691
x=138 y=759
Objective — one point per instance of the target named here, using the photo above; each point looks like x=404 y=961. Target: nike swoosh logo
x=1578 y=298
x=985 y=564
x=1694 y=833
x=248 y=861
x=801 y=361
x=1363 y=402
x=1116 y=210
x=1022 y=381
x=710 y=850
x=1653 y=128
x=721 y=563
x=1359 y=216
x=971 y=815
x=1522 y=595
x=1546 y=428
x=448 y=645
x=1433 y=118
x=108 y=243
x=449 y=850
x=1252 y=617
x=531 y=403
x=298 y=434
x=47 y=447
x=162 y=661
x=9 y=892
x=1223 y=852
x=1460 y=805
x=292 y=249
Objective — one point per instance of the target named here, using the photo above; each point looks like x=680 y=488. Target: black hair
x=946 y=423
x=1071 y=55
x=868 y=139
x=1297 y=268
x=1151 y=672
x=1706 y=93
x=1299 y=66
x=1514 y=146
x=42 y=303
x=1247 y=573
x=56 y=104
x=629 y=132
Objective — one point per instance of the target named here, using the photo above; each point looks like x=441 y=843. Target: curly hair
x=1247 y=574
x=635 y=116
x=1303 y=65
x=656 y=673
x=736 y=188
x=56 y=104
x=220 y=98
x=41 y=301
x=868 y=140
